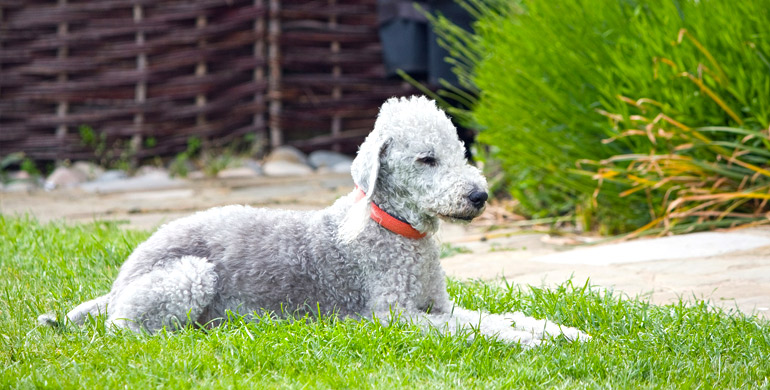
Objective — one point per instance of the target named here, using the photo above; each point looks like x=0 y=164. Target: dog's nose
x=478 y=198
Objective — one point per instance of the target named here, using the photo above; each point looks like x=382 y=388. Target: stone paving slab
x=738 y=279
x=685 y=246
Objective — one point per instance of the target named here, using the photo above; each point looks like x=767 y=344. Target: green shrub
x=556 y=78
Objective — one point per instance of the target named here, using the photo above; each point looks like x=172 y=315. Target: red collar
x=390 y=222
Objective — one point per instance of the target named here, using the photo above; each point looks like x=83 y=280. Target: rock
x=89 y=169
x=286 y=168
x=19 y=186
x=341 y=167
x=254 y=165
x=286 y=161
x=111 y=175
x=238 y=172
x=64 y=177
x=148 y=169
x=19 y=175
x=330 y=161
x=287 y=154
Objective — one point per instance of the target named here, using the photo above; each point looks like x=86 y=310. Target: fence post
x=259 y=71
x=201 y=68
x=62 y=52
x=336 y=125
x=140 y=91
x=274 y=84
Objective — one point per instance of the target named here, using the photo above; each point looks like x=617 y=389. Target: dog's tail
x=79 y=314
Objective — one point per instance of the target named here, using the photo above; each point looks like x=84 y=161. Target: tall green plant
x=546 y=71
x=703 y=177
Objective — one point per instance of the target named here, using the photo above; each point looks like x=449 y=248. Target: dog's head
x=413 y=166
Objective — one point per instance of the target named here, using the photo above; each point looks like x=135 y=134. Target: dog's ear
x=365 y=171
x=374 y=170
x=366 y=166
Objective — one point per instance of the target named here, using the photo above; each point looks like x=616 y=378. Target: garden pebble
x=19 y=186
x=64 y=177
x=89 y=169
x=288 y=154
x=254 y=165
x=328 y=159
x=286 y=161
x=149 y=169
x=111 y=175
x=19 y=175
x=286 y=168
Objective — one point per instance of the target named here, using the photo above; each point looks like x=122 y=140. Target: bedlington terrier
x=373 y=253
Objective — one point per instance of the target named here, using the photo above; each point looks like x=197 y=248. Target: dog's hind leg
x=79 y=314
x=170 y=296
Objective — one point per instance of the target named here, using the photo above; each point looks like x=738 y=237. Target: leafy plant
x=216 y=156
x=118 y=154
x=547 y=72
x=693 y=177
x=180 y=164
x=29 y=166
x=7 y=161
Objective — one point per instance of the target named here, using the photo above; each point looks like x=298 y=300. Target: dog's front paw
x=524 y=338
x=542 y=329
x=573 y=334
x=48 y=319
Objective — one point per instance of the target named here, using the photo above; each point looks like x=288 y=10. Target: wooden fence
x=151 y=74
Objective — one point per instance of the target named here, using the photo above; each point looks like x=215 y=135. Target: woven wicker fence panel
x=147 y=74
x=332 y=79
x=150 y=75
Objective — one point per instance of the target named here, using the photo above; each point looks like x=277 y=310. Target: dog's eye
x=428 y=160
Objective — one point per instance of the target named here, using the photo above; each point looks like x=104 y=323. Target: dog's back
x=264 y=259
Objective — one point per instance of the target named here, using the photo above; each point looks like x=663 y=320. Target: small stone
x=64 y=177
x=89 y=169
x=287 y=154
x=19 y=175
x=286 y=168
x=342 y=167
x=19 y=186
x=111 y=175
x=254 y=165
x=328 y=159
x=150 y=169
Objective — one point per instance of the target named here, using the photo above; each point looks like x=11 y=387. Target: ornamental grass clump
x=556 y=81
x=693 y=177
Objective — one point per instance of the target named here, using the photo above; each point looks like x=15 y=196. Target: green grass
x=45 y=267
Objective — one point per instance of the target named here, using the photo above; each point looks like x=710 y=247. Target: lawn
x=52 y=267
